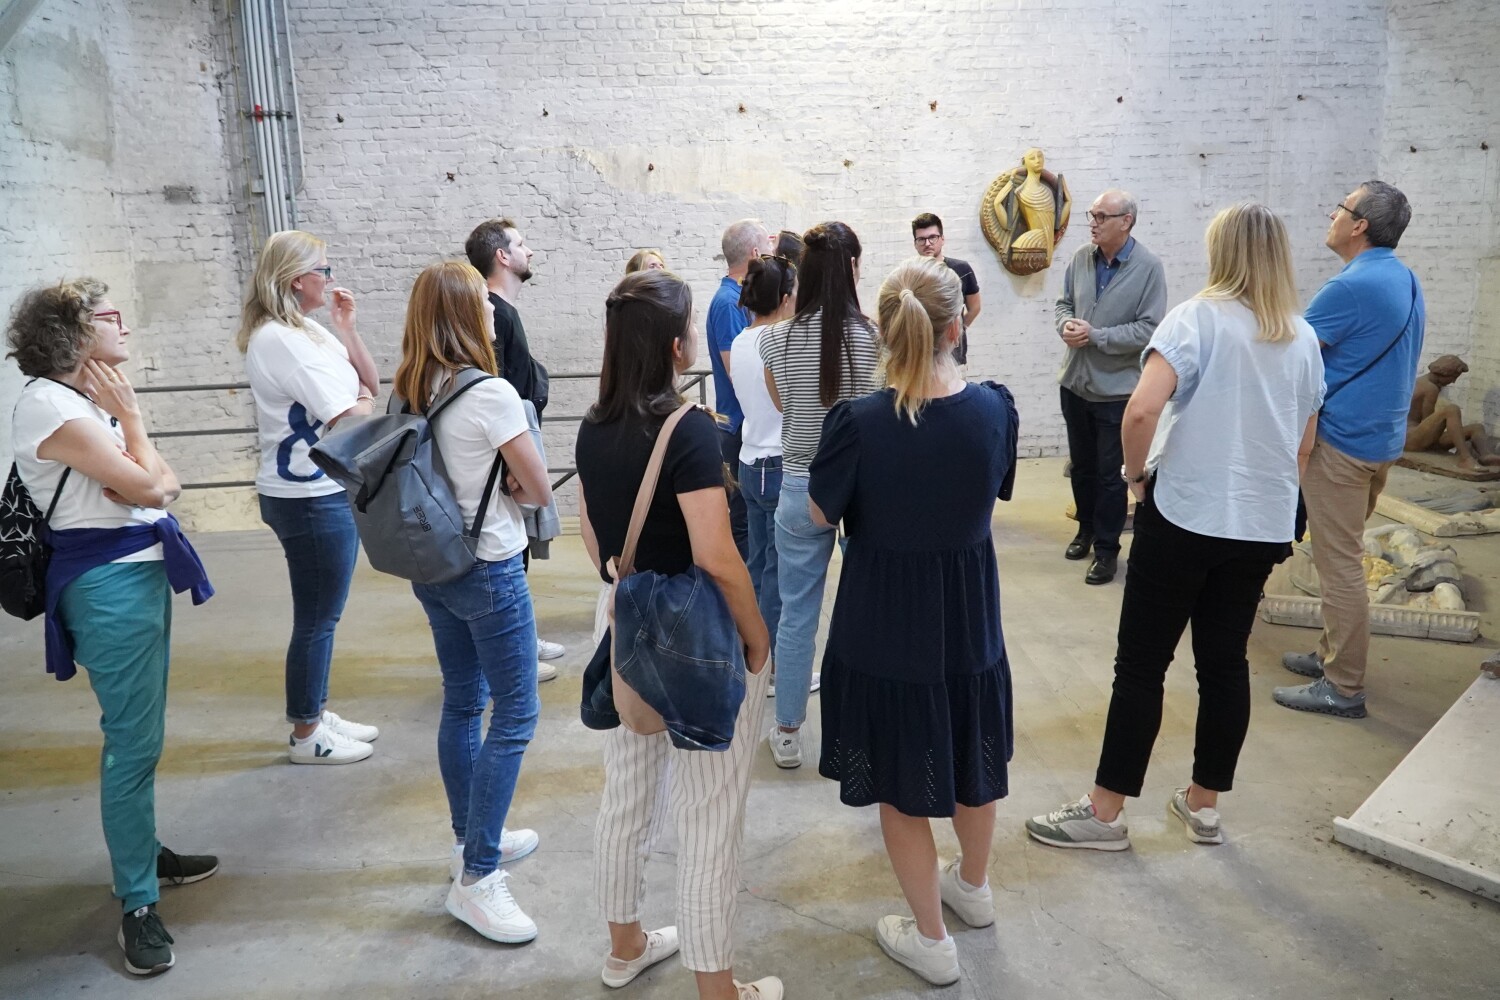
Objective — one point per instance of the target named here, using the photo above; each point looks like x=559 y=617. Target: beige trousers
x=645 y=779
x=1340 y=492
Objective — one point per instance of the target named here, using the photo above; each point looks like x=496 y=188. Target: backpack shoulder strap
x=461 y=383
x=626 y=564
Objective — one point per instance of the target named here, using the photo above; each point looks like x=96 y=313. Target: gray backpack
x=404 y=509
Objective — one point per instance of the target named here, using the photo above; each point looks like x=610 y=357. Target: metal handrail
x=695 y=379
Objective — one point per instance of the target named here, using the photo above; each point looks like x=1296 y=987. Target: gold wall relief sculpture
x=1025 y=213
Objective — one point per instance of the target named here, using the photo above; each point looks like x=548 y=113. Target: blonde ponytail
x=918 y=302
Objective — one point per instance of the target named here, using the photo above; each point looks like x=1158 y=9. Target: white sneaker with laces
x=660 y=944
x=769 y=988
x=936 y=962
x=549 y=650
x=514 y=845
x=975 y=907
x=786 y=748
x=817 y=682
x=489 y=908
x=545 y=672
x=327 y=746
x=354 y=730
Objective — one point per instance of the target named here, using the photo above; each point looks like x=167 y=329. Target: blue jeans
x=803 y=551
x=761 y=485
x=485 y=634
x=120 y=619
x=317 y=534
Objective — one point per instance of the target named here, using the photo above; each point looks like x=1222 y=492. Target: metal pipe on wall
x=269 y=81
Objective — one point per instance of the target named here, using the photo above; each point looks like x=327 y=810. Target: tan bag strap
x=625 y=565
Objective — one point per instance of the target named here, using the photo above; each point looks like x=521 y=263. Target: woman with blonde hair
x=646 y=260
x=1216 y=437
x=482 y=623
x=916 y=684
x=304 y=380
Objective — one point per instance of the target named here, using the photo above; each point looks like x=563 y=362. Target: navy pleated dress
x=916 y=687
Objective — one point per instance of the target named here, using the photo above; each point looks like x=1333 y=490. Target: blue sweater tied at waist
x=75 y=551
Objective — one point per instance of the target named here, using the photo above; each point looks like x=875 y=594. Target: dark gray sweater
x=1123 y=319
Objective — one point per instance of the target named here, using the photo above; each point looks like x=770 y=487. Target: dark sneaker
x=1322 y=697
x=180 y=869
x=1306 y=664
x=148 y=946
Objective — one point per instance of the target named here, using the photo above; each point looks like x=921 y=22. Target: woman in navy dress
x=916 y=686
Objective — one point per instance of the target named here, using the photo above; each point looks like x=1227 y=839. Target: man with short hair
x=1114 y=294
x=927 y=234
x=501 y=256
x=1370 y=319
x=743 y=240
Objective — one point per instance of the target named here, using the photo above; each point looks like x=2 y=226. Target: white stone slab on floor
x=1439 y=811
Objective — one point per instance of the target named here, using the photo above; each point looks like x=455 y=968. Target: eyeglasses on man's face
x=1098 y=218
x=1353 y=213
x=926 y=241
x=112 y=317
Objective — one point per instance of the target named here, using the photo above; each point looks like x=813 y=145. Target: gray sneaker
x=1306 y=664
x=1202 y=826
x=1321 y=696
x=1075 y=825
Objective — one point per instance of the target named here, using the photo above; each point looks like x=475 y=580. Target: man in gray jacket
x=1114 y=295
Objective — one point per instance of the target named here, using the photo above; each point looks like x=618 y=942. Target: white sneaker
x=660 y=944
x=354 y=730
x=328 y=746
x=489 y=908
x=786 y=748
x=769 y=988
x=514 y=845
x=545 y=672
x=975 y=907
x=899 y=938
x=549 y=650
x=817 y=682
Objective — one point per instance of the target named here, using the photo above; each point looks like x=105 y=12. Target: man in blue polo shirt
x=1370 y=319
x=726 y=320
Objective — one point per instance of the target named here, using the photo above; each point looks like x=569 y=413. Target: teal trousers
x=119 y=617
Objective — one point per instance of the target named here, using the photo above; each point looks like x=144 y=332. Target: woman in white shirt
x=81 y=450
x=1216 y=437
x=482 y=623
x=770 y=283
x=304 y=380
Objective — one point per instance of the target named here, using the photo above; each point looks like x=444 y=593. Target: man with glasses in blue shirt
x=1370 y=319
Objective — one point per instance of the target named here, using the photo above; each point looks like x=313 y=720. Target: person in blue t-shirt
x=743 y=240
x=1369 y=318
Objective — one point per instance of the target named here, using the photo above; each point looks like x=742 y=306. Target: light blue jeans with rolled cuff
x=119 y=617
x=485 y=635
x=802 y=550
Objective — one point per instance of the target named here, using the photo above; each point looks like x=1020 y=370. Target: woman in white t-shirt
x=482 y=623
x=767 y=292
x=1216 y=437
x=304 y=380
x=82 y=451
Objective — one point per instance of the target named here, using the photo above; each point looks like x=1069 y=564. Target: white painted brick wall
x=552 y=112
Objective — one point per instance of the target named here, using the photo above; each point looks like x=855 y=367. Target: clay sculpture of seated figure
x=1435 y=425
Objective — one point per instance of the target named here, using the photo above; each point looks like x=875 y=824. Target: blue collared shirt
x=1105 y=271
x=726 y=321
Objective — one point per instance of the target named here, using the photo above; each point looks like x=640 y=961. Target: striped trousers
x=646 y=780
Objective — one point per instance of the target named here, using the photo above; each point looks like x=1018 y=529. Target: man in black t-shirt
x=498 y=252
x=927 y=234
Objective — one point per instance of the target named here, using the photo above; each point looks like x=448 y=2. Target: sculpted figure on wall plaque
x=1433 y=425
x=1025 y=213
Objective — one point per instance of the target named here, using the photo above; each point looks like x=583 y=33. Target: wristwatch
x=1133 y=479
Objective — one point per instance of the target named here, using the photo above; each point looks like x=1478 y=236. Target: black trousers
x=1096 y=452
x=729 y=447
x=1176 y=577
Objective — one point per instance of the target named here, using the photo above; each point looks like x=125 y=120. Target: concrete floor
x=333 y=879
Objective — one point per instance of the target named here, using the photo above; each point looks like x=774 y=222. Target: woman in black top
x=648 y=340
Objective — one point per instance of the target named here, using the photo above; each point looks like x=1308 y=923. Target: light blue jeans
x=485 y=635
x=803 y=550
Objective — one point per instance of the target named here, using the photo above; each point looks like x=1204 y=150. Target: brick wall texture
x=607 y=126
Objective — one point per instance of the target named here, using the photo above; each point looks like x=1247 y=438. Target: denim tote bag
x=676 y=663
